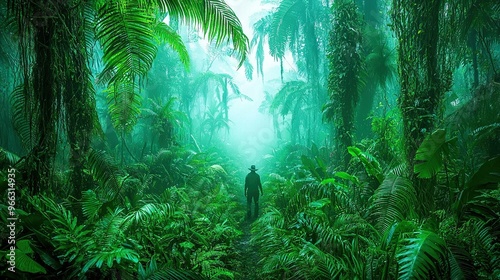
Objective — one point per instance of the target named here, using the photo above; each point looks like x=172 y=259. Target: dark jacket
x=252 y=183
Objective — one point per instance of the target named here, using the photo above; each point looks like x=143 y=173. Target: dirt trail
x=248 y=254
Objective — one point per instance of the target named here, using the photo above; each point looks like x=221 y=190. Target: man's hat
x=253 y=168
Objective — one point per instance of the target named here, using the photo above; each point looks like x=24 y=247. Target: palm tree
x=297 y=26
x=59 y=35
x=292 y=99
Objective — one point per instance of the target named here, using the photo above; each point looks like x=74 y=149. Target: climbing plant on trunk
x=344 y=77
x=423 y=30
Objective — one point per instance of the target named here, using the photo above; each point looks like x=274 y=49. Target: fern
x=486 y=177
x=90 y=204
x=71 y=239
x=24 y=117
x=167 y=34
x=103 y=169
x=461 y=263
x=393 y=201
x=420 y=258
x=149 y=213
x=126 y=35
x=108 y=232
x=124 y=105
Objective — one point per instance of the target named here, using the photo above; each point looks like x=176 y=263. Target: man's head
x=252 y=168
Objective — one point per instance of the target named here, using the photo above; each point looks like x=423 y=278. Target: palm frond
x=125 y=31
x=91 y=205
x=284 y=26
x=149 y=213
x=124 y=105
x=261 y=29
x=167 y=34
x=217 y=20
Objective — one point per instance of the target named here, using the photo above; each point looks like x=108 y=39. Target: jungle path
x=248 y=255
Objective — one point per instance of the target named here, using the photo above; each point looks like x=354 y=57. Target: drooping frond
x=105 y=172
x=216 y=19
x=461 y=263
x=285 y=26
x=487 y=177
x=167 y=34
x=261 y=30
x=124 y=105
x=125 y=31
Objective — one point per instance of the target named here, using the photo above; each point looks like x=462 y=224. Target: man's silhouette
x=252 y=186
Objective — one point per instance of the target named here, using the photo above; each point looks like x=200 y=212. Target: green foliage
x=430 y=154
x=421 y=256
x=393 y=201
x=372 y=166
x=24 y=262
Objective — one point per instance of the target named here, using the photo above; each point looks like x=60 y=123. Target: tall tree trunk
x=40 y=158
x=424 y=79
x=345 y=66
x=77 y=93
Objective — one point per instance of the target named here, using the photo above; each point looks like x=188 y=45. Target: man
x=252 y=186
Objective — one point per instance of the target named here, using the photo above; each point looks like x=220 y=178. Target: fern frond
x=90 y=204
x=420 y=258
x=24 y=116
x=105 y=172
x=393 y=201
x=108 y=232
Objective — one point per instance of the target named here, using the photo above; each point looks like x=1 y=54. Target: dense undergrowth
x=132 y=227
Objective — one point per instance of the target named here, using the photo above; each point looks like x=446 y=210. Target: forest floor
x=248 y=255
